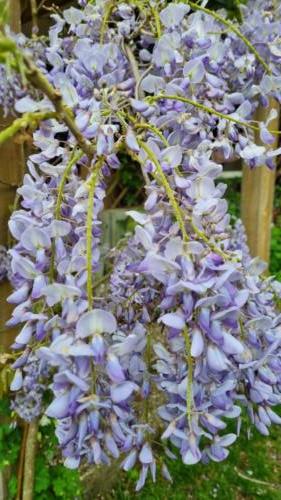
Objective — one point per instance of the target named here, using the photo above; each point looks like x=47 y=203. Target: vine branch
x=75 y=157
x=39 y=81
x=209 y=110
x=28 y=120
x=92 y=183
x=177 y=210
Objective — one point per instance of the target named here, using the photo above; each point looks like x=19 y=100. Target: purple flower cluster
x=185 y=334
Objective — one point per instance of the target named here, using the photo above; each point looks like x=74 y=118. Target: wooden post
x=11 y=173
x=258 y=187
x=29 y=461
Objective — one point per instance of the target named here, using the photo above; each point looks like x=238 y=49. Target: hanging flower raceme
x=184 y=335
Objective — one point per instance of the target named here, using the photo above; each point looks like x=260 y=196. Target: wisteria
x=184 y=336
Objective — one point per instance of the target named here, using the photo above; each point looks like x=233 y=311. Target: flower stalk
x=92 y=184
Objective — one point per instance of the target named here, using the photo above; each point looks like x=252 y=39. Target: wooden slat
x=258 y=187
x=11 y=173
x=15 y=15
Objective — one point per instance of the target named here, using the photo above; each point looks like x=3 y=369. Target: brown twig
x=39 y=81
x=120 y=197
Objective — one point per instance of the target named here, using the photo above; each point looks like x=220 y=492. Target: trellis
x=257 y=195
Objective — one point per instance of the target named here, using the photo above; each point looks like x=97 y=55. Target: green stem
x=177 y=210
x=206 y=109
x=205 y=238
x=153 y=129
x=232 y=28
x=148 y=355
x=189 y=391
x=157 y=21
x=92 y=183
x=105 y=20
x=27 y=120
x=75 y=157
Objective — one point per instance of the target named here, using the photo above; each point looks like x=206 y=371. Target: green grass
x=259 y=459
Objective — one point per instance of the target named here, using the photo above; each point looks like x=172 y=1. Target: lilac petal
x=111 y=445
x=58 y=293
x=173 y=320
x=73 y=15
x=143 y=236
x=172 y=156
x=153 y=84
x=262 y=428
x=263 y=416
x=195 y=70
x=217 y=453
x=174 y=248
x=231 y=345
x=67 y=89
x=24 y=268
x=96 y=449
x=72 y=462
x=59 y=408
x=121 y=392
x=197 y=345
x=139 y=106
x=241 y=298
x=27 y=104
x=114 y=369
x=227 y=440
x=131 y=141
x=216 y=359
x=252 y=151
x=38 y=284
x=189 y=458
x=95 y=321
x=265 y=135
x=129 y=462
x=141 y=481
x=214 y=421
x=80 y=349
x=19 y=295
x=98 y=347
x=273 y=416
x=17 y=381
x=59 y=228
x=145 y=455
x=35 y=238
x=165 y=473
x=139 y=217
x=151 y=201
x=173 y=14
x=61 y=344
x=25 y=334
x=76 y=380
